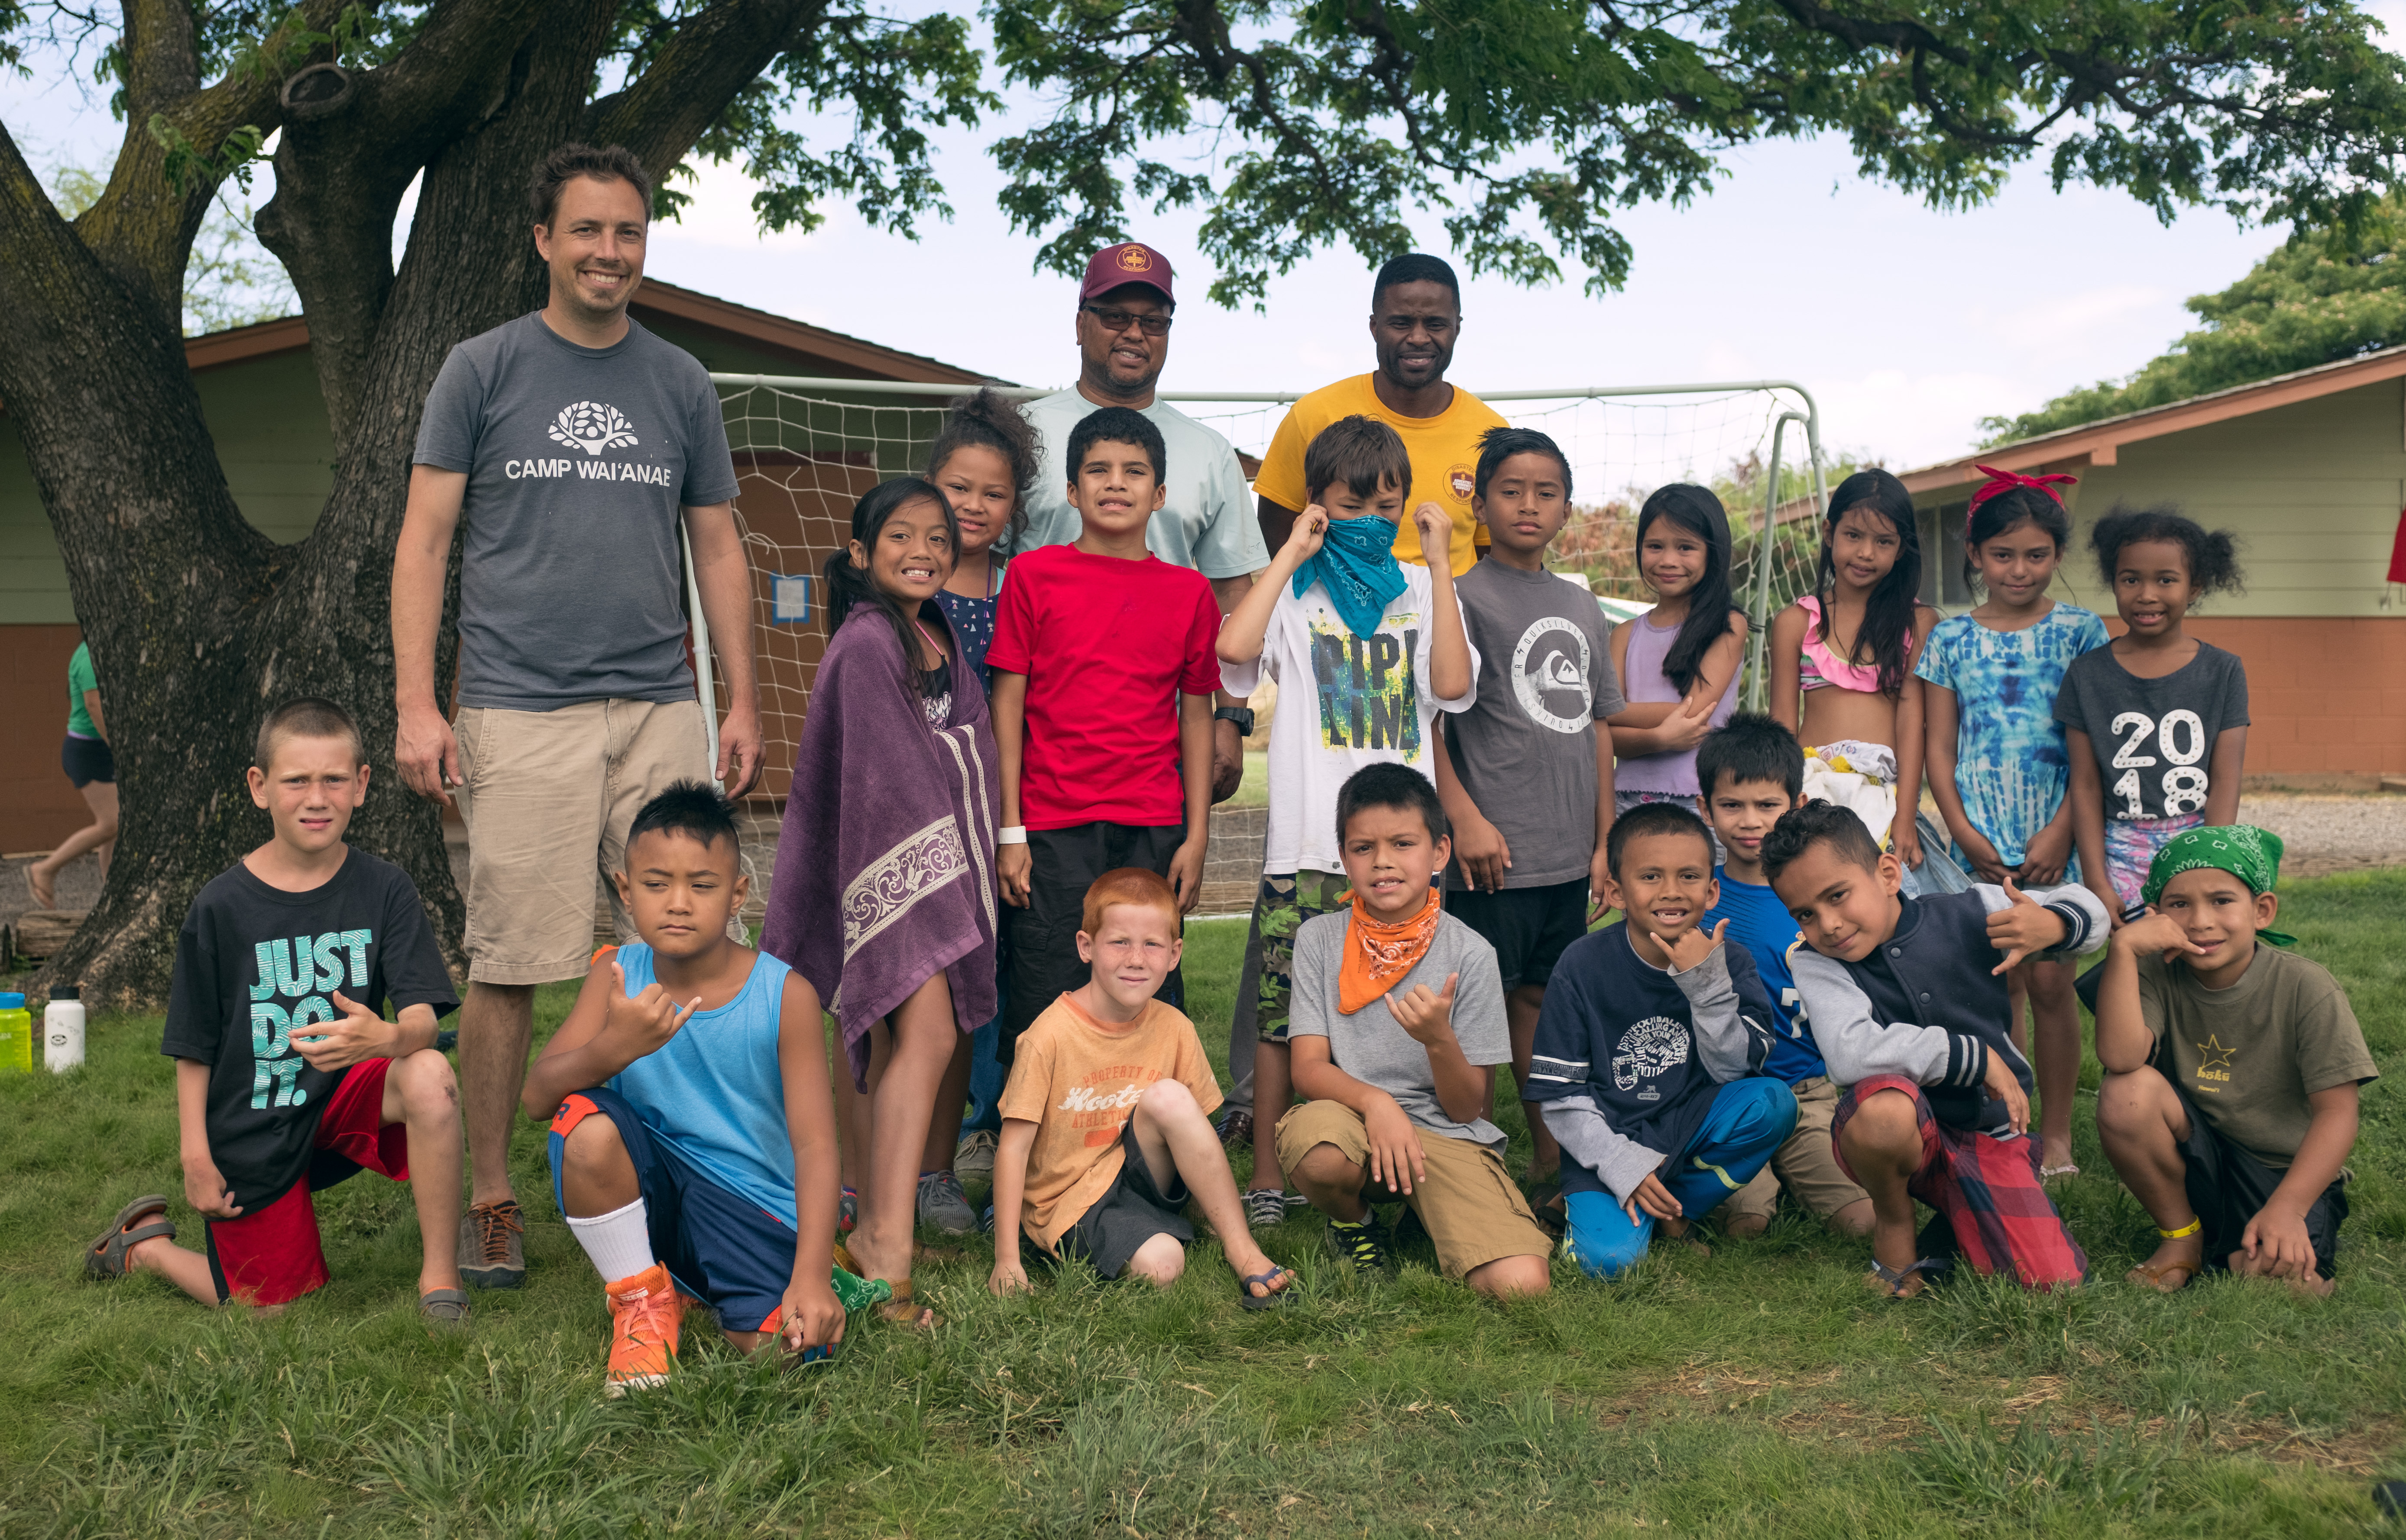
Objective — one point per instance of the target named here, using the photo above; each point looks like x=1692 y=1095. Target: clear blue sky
x=1908 y=324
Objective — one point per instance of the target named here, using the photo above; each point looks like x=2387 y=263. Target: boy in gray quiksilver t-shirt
x=579 y=460
x=1395 y=1024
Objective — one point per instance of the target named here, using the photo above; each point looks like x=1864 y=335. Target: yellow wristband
x=2192 y=1227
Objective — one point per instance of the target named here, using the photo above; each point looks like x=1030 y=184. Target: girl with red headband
x=1842 y=663
x=1999 y=764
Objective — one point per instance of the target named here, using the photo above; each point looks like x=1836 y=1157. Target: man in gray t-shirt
x=563 y=447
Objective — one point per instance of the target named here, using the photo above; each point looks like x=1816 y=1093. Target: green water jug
x=16 y=1034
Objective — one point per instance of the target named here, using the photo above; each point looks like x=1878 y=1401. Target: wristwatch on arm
x=1241 y=715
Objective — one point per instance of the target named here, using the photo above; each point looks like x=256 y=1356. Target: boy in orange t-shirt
x=1106 y=1121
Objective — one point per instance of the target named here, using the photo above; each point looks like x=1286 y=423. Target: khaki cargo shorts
x=547 y=799
x=1471 y=1208
x=1807 y=1163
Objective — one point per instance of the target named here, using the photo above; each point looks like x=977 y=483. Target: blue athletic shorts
x=725 y=1250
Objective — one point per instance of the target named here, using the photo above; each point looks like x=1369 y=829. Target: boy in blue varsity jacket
x=1648 y=1064
x=1909 y=1002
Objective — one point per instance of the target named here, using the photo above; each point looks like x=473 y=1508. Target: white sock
x=619 y=1242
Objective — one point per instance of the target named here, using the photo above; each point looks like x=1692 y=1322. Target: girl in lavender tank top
x=1679 y=664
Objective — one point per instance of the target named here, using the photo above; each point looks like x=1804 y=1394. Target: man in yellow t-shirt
x=1415 y=316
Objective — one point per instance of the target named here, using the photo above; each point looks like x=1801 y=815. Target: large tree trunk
x=198 y=624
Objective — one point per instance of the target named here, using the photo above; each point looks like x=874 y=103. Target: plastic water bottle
x=63 y=1029
x=16 y=1034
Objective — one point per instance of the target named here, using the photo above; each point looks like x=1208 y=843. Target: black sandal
x=442 y=1310
x=104 y=1258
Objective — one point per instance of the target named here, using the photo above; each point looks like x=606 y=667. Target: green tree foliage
x=2320 y=298
x=1526 y=124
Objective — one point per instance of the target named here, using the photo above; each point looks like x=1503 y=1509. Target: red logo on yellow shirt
x=1463 y=481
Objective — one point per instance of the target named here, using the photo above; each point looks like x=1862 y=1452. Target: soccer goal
x=805 y=449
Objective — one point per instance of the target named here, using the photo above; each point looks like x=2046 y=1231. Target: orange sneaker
x=644 y=1312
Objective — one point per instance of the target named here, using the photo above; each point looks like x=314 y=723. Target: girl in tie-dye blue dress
x=2010 y=770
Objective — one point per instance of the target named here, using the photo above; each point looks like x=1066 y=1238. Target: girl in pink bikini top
x=1870 y=574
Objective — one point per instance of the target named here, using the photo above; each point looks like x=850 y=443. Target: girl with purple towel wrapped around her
x=885 y=891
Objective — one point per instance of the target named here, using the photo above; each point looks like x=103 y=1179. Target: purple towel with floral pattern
x=885 y=867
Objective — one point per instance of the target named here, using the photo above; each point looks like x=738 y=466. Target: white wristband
x=1016 y=835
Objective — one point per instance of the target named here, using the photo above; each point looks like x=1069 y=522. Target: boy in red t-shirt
x=1104 y=668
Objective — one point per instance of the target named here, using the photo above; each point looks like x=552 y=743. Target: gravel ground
x=2324 y=835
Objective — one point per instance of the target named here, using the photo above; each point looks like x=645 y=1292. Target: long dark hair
x=850 y=586
x=1695 y=509
x=989 y=422
x=1887 y=631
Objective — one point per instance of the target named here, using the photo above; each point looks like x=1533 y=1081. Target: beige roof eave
x=2099 y=443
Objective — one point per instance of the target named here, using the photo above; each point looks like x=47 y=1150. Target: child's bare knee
x=427 y=1084
x=2128 y=1102
x=1160 y=1261
x=593 y=1144
x=1885 y=1120
x=1325 y=1165
x=1511 y=1278
x=1169 y=1101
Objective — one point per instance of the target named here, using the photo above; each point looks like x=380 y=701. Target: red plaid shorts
x=1986 y=1188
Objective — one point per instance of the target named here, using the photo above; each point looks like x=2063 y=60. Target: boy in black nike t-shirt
x=287 y=1078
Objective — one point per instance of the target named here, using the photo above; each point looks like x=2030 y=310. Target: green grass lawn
x=1759 y=1393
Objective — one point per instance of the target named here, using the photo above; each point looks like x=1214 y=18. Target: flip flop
x=903 y=1310
x=33 y=891
x=1248 y=1300
x=2153 y=1278
x=1891 y=1282
x=104 y=1258
x=443 y=1308
x=2049 y=1173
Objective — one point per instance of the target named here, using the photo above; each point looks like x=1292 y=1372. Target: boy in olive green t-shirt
x=2230 y=1099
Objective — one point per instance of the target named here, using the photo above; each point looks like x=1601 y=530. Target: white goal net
x=805 y=450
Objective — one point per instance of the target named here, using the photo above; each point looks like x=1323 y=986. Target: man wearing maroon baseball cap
x=1126 y=303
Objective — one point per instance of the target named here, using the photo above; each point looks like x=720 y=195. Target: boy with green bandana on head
x=2229 y=1099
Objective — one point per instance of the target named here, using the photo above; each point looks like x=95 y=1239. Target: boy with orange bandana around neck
x=1397 y=1028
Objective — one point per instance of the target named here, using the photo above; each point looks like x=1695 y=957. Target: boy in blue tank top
x=688 y=1096
x=1751 y=771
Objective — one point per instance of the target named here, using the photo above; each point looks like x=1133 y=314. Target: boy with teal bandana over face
x=1365 y=652
x=2232 y=1068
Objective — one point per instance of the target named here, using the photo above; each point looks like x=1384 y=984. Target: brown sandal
x=2153 y=1278
x=902 y=1310
x=104 y=1258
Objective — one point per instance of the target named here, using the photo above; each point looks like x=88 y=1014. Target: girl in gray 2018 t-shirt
x=2155 y=721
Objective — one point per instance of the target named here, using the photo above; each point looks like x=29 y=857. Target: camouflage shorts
x=1279 y=908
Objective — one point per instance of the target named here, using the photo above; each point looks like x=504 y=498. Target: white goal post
x=805 y=447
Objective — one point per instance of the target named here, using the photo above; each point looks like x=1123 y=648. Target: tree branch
x=351 y=145
x=663 y=112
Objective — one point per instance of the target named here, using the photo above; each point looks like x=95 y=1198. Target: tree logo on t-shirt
x=1649 y=1049
x=1551 y=686
x=593 y=426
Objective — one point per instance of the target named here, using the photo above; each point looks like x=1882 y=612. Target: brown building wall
x=2327 y=697
x=37 y=807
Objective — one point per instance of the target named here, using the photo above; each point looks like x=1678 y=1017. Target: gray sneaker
x=944 y=1206
x=492 y=1245
x=975 y=1156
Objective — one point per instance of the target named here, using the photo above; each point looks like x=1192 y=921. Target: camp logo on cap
x=1136 y=259
x=1463 y=481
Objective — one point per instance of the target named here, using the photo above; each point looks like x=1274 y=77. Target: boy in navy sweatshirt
x=1647 y=1064
x=1909 y=1002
